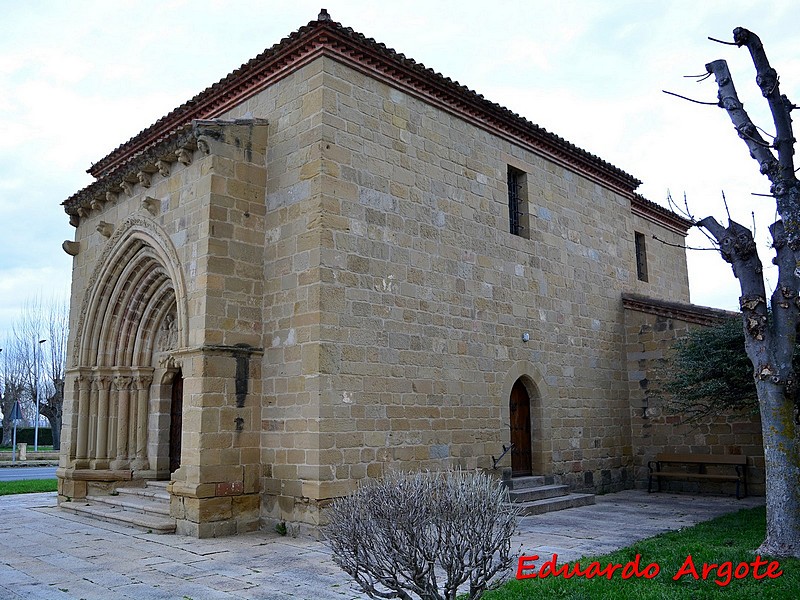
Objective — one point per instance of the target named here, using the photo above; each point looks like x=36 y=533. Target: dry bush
x=424 y=535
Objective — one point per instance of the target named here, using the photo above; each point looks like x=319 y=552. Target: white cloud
x=80 y=78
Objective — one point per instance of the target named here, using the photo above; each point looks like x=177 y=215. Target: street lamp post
x=36 y=351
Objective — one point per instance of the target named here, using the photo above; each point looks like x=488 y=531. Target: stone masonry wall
x=649 y=337
x=398 y=298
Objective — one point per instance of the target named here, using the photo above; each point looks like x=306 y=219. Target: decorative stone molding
x=105 y=229
x=111 y=197
x=127 y=186
x=96 y=204
x=151 y=205
x=74 y=220
x=83 y=211
x=184 y=156
x=136 y=229
x=163 y=167
x=203 y=145
x=71 y=248
x=169 y=362
x=144 y=178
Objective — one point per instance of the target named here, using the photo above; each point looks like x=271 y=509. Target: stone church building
x=335 y=262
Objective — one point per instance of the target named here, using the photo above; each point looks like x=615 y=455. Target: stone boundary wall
x=651 y=327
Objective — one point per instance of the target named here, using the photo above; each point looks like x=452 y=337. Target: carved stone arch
x=161 y=310
x=131 y=305
x=139 y=243
x=540 y=397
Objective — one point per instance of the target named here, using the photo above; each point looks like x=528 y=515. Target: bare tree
x=424 y=535
x=12 y=385
x=769 y=334
x=31 y=368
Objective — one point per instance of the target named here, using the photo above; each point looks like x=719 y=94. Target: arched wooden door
x=176 y=423
x=520 y=407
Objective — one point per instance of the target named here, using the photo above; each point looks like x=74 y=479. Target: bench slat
x=738 y=461
x=680 y=475
x=704 y=459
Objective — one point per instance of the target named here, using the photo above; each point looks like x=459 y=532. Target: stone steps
x=145 y=508
x=537 y=495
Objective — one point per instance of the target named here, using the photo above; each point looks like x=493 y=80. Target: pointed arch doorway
x=176 y=422
x=520 y=412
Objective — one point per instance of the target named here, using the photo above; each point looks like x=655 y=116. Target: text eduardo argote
x=722 y=573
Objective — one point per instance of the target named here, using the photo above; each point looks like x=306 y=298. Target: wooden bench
x=701 y=461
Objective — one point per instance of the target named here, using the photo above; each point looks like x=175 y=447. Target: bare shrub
x=400 y=536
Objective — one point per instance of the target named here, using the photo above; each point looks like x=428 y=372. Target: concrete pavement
x=47 y=554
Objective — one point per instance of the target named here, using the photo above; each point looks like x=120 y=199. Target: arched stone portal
x=131 y=321
x=520 y=411
x=526 y=421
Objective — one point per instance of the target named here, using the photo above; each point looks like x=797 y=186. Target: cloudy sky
x=78 y=78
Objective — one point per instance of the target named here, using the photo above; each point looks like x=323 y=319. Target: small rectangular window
x=518 y=203
x=641 y=256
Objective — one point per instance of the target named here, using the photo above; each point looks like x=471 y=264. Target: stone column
x=142 y=383
x=123 y=385
x=101 y=446
x=84 y=393
x=113 y=408
x=94 y=392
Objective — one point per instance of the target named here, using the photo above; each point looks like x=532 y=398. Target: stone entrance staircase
x=145 y=508
x=536 y=496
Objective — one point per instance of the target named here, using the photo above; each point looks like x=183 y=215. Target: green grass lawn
x=28 y=486
x=729 y=539
x=42 y=448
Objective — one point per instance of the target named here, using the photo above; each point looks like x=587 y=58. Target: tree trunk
x=52 y=410
x=770 y=338
x=779 y=431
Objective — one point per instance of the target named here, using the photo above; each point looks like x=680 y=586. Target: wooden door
x=176 y=423
x=520 y=405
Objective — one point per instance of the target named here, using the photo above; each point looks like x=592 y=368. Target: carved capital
x=123 y=382
x=163 y=167
x=184 y=156
x=71 y=248
x=144 y=178
x=102 y=382
x=142 y=382
x=105 y=229
x=151 y=205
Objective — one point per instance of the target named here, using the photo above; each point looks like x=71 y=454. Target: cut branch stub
x=729 y=100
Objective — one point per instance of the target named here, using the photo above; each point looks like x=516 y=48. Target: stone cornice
x=174 y=146
x=325 y=37
x=663 y=216
x=690 y=313
x=178 y=146
x=328 y=38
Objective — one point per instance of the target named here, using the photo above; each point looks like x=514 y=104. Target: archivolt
x=136 y=284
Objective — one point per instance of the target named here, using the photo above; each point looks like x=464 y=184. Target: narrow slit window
x=517 y=203
x=641 y=256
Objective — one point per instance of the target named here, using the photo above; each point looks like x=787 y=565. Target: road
x=18 y=473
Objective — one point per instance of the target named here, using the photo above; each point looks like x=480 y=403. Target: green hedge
x=26 y=435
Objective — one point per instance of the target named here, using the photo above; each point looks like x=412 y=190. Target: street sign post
x=16 y=416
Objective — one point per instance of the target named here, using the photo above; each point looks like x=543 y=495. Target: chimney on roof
x=323 y=15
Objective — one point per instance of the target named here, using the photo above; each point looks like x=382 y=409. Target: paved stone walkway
x=47 y=554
